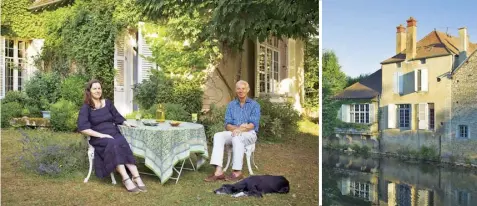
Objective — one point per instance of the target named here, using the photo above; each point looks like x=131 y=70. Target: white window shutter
x=119 y=62
x=345 y=113
x=423 y=113
x=424 y=80
x=144 y=51
x=392 y=116
x=2 y=67
x=372 y=113
x=33 y=51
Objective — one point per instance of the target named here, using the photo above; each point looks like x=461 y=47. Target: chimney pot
x=400 y=29
x=411 y=22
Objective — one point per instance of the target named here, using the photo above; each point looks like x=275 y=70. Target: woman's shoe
x=134 y=190
x=142 y=188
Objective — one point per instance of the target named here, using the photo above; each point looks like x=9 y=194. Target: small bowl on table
x=150 y=123
x=174 y=123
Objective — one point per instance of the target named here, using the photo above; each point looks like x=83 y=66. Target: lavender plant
x=46 y=153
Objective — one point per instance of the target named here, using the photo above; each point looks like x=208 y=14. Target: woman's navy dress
x=108 y=153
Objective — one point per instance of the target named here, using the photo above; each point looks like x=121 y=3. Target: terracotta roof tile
x=365 y=89
x=434 y=44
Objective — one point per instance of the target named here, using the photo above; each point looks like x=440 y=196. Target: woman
x=98 y=118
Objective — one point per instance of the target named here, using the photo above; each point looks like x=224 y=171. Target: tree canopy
x=233 y=21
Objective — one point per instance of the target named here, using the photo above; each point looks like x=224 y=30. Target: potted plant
x=45 y=108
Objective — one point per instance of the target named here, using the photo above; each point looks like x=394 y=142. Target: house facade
x=273 y=68
x=462 y=139
x=358 y=113
x=416 y=97
x=425 y=98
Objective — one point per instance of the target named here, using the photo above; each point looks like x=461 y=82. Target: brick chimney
x=411 y=39
x=400 y=38
x=464 y=40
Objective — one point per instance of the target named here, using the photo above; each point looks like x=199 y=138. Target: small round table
x=163 y=146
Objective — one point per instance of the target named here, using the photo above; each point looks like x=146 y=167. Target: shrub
x=72 y=89
x=64 y=115
x=46 y=153
x=43 y=88
x=278 y=121
x=428 y=153
x=15 y=96
x=10 y=110
x=173 y=112
x=187 y=93
x=213 y=120
x=31 y=110
x=159 y=88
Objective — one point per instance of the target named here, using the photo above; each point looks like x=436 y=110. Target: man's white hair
x=242 y=82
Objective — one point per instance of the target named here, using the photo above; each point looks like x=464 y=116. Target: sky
x=363 y=33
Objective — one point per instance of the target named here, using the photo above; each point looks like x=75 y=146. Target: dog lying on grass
x=256 y=186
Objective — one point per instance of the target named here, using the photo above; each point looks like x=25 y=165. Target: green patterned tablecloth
x=163 y=146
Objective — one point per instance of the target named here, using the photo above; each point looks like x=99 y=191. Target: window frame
x=269 y=86
x=13 y=78
x=362 y=113
x=406 y=109
x=463 y=131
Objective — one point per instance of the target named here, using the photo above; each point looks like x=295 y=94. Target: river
x=353 y=180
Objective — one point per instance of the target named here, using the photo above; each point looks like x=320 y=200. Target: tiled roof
x=434 y=44
x=367 y=88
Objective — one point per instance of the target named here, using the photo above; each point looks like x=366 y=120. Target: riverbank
x=424 y=155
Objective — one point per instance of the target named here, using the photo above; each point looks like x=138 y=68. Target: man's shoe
x=213 y=178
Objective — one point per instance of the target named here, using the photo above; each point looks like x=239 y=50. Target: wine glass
x=194 y=117
x=138 y=118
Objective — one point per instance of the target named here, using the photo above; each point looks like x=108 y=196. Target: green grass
x=296 y=159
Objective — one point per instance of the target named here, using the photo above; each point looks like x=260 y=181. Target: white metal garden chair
x=91 y=157
x=249 y=150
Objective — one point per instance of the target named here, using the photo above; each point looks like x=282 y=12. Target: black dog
x=256 y=186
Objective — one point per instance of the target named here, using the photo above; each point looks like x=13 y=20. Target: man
x=241 y=123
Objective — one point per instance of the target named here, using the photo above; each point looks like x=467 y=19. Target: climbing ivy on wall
x=331 y=108
x=80 y=36
x=17 y=21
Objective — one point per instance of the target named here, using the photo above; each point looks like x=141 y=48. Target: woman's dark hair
x=88 y=99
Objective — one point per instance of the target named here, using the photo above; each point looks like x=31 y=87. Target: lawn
x=296 y=159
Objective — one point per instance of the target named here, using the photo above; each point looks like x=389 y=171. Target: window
x=359 y=113
x=268 y=66
x=431 y=116
x=15 y=64
x=421 y=82
x=404 y=116
x=398 y=64
x=422 y=61
x=463 y=131
x=360 y=190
